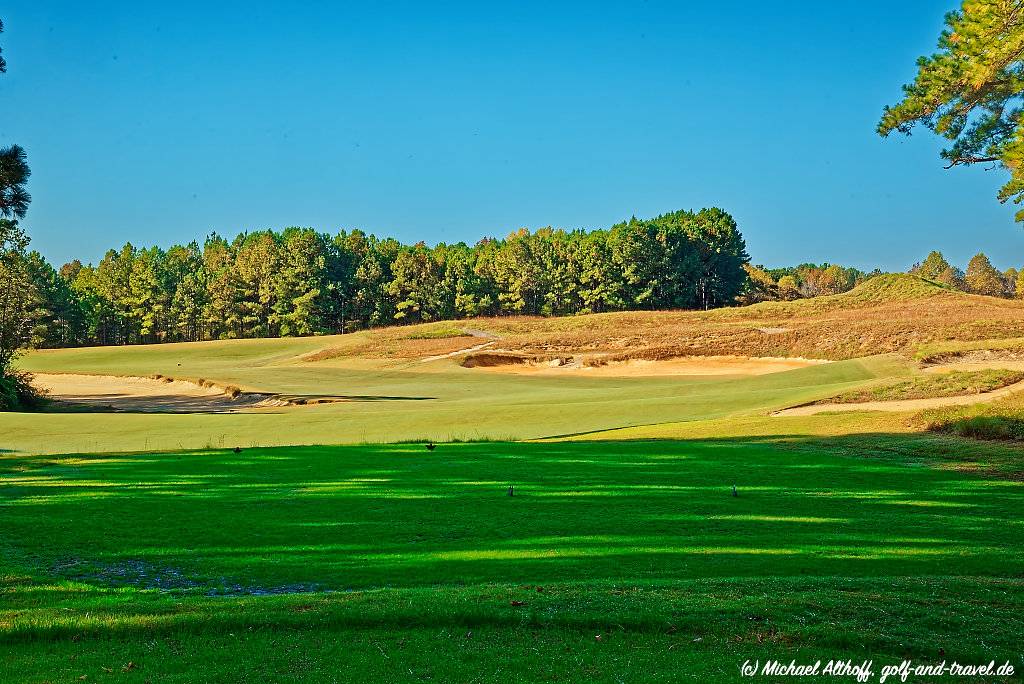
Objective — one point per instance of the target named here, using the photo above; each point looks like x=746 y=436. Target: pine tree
x=301 y=282
x=968 y=92
x=301 y=304
x=222 y=310
x=186 y=276
x=982 y=278
x=57 y=317
x=932 y=267
x=18 y=295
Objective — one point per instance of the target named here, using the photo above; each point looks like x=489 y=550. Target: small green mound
x=889 y=287
x=953 y=384
x=896 y=287
x=437 y=333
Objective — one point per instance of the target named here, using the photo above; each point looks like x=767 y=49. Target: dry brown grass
x=895 y=313
x=500 y=359
x=393 y=343
x=861 y=330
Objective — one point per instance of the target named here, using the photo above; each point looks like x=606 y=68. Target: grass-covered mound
x=884 y=289
x=971 y=350
x=898 y=287
x=951 y=384
x=621 y=562
x=890 y=313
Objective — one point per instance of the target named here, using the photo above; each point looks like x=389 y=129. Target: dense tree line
x=302 y=282
x=812 y=280
x=797 y=282
x=980 y=277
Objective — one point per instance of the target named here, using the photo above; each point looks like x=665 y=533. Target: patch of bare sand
x=995 y=363
x=683 y=366
x=904 y=404
x=147 y=395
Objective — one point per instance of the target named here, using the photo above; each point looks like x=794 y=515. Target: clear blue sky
x=159 y=122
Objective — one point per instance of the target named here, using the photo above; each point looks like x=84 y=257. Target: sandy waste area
x=111 y=392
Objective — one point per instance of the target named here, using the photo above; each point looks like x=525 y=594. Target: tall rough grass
x=1000 y=420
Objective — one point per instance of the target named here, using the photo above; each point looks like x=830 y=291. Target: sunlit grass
x=192 y=565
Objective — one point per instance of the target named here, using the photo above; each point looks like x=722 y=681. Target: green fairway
x=399 y=563
x=398 y=401
x=141 y=547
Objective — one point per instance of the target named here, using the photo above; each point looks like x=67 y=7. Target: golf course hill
x=892 y=313
x=887 y=314
x=496 y=378
x=623 y=435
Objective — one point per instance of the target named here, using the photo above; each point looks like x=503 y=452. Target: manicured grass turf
x=389 y=402
x=397 y=564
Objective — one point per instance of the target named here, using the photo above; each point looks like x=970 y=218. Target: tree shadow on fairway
x=882 y=543
x=399 y=516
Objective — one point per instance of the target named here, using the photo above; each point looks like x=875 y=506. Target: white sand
x=143 y=394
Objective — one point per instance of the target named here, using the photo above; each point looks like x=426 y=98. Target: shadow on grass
x=870 y=615
x=370 y=516
x=902 y=540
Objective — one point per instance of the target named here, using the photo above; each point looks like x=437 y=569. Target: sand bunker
x=683 y=366
x=1001 y=364
x=457 y=352
x=148 y=395
x=976 y=360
